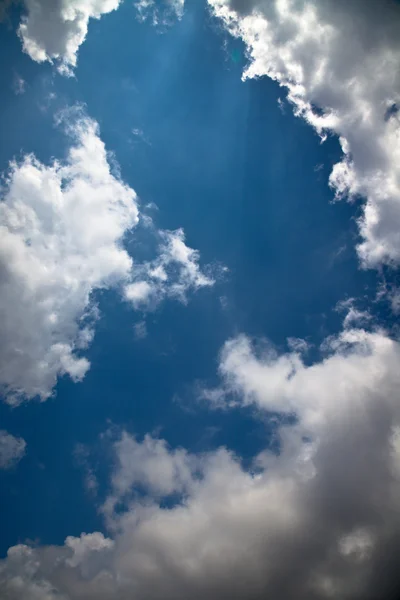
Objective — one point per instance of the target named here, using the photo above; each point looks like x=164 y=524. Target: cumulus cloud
x=53 y=30
x=12 y=449
x=173 y=273
x=61 y=238
x=317 y=521
x=61 y=230
x=339 y=62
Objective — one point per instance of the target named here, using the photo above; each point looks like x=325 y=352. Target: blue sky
x=227 y=161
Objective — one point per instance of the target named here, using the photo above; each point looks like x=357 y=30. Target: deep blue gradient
x=249 y=184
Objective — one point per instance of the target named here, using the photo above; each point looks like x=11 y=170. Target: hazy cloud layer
x=339 y=61
x=318 y=521
x=53 y=30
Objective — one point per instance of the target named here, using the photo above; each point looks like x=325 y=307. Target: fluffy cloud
x=317 y=521
x=12 y=449
x=61 y=238
x=173 y=273
x=339 y=62
x=61 y=230
x=53 y=30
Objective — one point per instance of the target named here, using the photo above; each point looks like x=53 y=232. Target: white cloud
x=12 y=449
x=53 y=30
x=173 y=273
x=61 y=238
x=149 y=465
x=354 y=317
x=138 y=293
x=140 y=330
x=18 y=85
x=318 y=521
x=61 y=230
x=159 y=12
x=343 y=58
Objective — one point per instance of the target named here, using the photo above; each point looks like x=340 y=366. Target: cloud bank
x=53 y=30
x=317 y=521
x=339 y=62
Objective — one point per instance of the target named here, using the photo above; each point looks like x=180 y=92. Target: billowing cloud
x=53 y=30
x=317 y=521
x=12 y=449
x=339 y=62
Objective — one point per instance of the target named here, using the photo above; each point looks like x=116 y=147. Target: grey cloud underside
x=316 y=522
x=343 y=58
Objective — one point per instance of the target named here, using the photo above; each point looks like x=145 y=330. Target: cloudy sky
x=199 y=299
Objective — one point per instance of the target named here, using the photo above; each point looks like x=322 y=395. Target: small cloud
x=138 y=293
x=159 y=13
x=138 y=133
x=18 y=85
x=140 y=330
x=12 y=449
x=298 y=345
x=224 y=302
x=174 y=273
x=354 y=317
x=81 y=455
x=337 y=255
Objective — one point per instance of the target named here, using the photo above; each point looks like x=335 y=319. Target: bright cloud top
x=53 y=30
x=318 y=521
x=12 y=449
x=341 y=57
